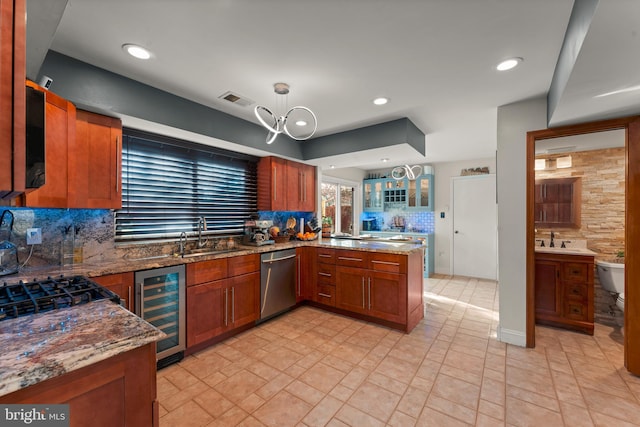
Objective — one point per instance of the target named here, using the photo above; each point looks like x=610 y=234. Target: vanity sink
x=567 y=251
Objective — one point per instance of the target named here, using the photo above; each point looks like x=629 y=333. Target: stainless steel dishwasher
x=277 y=282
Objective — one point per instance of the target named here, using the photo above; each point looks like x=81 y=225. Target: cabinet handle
x=298 y=259
x=385 y=262
x=301 y=190
x=233 y=305
x=324 y=256
x=369 y=291
x=324 y=295
x=129 y=301
x=349 y=259
x=117 y=168
x=275 y=183
x=362 y=291
x=320 y=273
x=545 y=192
x=226 y=307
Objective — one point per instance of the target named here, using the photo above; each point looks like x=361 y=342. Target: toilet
x=611 y=277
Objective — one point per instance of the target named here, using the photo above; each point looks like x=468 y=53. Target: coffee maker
x=256 y=232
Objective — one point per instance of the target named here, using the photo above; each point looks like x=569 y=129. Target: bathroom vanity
x=564 y=288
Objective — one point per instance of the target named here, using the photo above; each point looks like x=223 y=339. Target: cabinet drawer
x=244 y=264
x=575 y=309
x=326 y=294
x=327 y=256
x=356 y=259
x=206 y=271
x=326 y=274
x=575 y=271
x=576 y=291
x=392 y=263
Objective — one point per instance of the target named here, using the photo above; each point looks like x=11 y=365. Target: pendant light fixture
x=296 y=116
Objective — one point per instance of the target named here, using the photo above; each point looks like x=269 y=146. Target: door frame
x=631 y=125
x=453 y=222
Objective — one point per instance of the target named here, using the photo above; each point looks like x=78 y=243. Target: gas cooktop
x=38 y=296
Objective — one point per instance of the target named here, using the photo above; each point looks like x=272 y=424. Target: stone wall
x=602 y=220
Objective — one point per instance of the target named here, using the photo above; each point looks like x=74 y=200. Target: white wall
x=514 y=121
x=443 y=174
x=350 y=174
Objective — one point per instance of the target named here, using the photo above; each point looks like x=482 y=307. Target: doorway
x=631 y=125
x=474 y=223
x=338 y=206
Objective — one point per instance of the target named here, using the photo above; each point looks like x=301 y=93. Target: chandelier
x=301 y=117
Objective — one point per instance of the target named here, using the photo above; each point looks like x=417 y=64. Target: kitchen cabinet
x=305 y=264
x=60 y=118
x=372 y=195
x=285 y=185
x=378 y=291
x=420 y=193
x=325 y=277
x=222 y=295
x=121 y=284
x=564 y=291
x=119 y=391
x=12 y=97
x=558 y=202
x=96 y=163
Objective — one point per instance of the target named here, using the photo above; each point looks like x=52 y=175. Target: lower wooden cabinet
x=374 y=293
x=564 y=291
x=305 y=267
x=222 y=295
x=122 y=284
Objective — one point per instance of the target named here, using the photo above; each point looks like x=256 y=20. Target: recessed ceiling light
x=385 y=160
x=136 y=51
x=380 y=101
x=301 y=123
x=332 y=166
x=508 y=64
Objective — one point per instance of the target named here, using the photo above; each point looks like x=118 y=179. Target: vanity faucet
x=551 y=244
x=202 y=226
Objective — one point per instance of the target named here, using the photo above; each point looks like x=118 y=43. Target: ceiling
x=434 y=59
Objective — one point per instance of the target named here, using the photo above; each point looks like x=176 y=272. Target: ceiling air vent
x=236 y=99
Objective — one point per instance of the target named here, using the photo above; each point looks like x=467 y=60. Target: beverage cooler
x=160 y=300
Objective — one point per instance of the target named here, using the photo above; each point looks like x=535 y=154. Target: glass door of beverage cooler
x=161 y=301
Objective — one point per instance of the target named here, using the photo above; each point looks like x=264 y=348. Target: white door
x=474 y=226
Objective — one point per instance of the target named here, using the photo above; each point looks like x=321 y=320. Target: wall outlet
x=34 y=236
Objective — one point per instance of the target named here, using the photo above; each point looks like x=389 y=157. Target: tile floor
x=313 y=368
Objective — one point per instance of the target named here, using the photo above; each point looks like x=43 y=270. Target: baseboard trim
x=511 y=336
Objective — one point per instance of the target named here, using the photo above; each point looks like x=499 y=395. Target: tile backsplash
x=417 y=222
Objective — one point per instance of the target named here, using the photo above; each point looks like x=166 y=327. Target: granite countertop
x=122 y=265
x=46 y=345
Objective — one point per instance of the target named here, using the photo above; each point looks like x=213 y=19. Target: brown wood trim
x=632 y=228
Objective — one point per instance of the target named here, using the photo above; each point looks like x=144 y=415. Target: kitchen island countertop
x=47 y=345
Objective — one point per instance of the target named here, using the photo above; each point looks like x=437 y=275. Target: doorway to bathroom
x=631 y=128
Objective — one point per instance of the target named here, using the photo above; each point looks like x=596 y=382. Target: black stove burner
x=22 y=299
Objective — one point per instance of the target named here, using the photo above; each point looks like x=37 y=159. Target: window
x=338 y=197
x=168 y=184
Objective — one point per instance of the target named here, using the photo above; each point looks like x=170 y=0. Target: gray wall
x=514 y=121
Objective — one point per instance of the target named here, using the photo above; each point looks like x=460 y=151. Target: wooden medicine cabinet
x=558 y=202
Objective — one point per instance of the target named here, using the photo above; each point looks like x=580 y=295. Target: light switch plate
x=34 y=236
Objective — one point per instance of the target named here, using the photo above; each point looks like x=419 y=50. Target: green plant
x=327 y=220
x=620 y=254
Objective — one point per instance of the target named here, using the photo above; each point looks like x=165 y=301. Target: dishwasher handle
x=269 y=261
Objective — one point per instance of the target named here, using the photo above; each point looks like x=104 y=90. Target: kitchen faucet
x=202 y=226
x=182 y=242
x=552 y=245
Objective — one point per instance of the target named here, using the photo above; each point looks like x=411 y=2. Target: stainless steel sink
x=207 y=251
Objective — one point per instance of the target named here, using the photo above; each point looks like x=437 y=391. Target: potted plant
x=327 y=225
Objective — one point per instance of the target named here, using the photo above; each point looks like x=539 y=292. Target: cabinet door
x=95 y=166
x=60 y=117
x=12 y=97
x=206 y=311
x=372 y=195
x=305 y=267
x=272 y=184
x=424 y=186
x=244 y=299
x=308 y=182
x=547 y=288
x=387 y=296
x=122 y=285
x=351 y=290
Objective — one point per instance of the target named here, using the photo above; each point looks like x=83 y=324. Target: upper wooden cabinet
x=12 y=97
x=95 y=166
x=284 y=185
x=60 y=128
x=558 y=202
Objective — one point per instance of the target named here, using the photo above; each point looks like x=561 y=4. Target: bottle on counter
x=67 y=246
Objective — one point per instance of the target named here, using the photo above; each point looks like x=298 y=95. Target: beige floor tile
x=575 y=416
x=413 y=401
x=400 y=419
x=624 y=409
x=486 y=421
x=282 y=410
x=213 y=402
x=323 y=377
x=189 y=414
x=183 y=396
x=305 y=392
x=457 y=391
x=453 y=409
x=431 y=417
x=375 y=401
x=322 y=413
x=274 y=386
x=355 y=417
x=521 y=413
x=232 y=417
x=240 y=385
x=341 y=392
x=544 y=401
